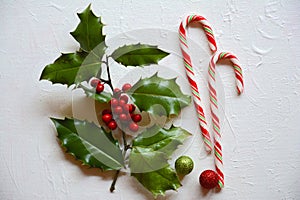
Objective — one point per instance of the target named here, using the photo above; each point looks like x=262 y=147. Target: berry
x=126 y=87
x=136 y=117
x=133 y=127
x=118 y=110
x=184 y=165
x=112 y=125
x=95 y=82
x=132 y=108
x=114 y=102
x=117 y=92
x=99 y=88
x=127 y=107
x=208 y=179
x=124 y=98
x=107 y=118
x=106 y=111
x=123 y=117
x=122 y=103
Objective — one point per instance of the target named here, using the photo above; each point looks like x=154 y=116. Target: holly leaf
x=149 y=156
x=161 y=139
x=72 y=68
x=159 y=181
x=159 y=96
x=103 y=97
x=80 y=66
x=89 y=143
x=89 y=32
x=138 y=55
x=154 y=146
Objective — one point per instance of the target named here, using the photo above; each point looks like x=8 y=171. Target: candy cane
x=214 y=106
x=190 y=71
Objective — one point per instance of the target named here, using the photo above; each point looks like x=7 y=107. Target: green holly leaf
x=89 y=143
x=103 y=97
x=161 y=139
x=154 y=146
x=138 y=55
x=159 y=181
x=80 y=66
x=159 y=96
x=89 y=32
x=72 y=68
x=149 y=156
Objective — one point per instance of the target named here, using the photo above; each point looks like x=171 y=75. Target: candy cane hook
x=214 y=106
x=190 y=71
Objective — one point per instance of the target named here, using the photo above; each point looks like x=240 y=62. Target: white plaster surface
x=261 y=128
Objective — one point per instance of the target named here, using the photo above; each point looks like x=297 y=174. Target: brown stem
x=112 y=187
x=108 y=82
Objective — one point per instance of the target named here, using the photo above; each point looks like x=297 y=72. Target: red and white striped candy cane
x=214 y=106
x=190 y=71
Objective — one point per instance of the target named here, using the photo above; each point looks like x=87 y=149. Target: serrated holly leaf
x=72 y=68
x=143 y=160
x=89 y=32
x=89 y=143
x=159 y=181
x=103 y=97
x=161 y=139
x=138 y=55
x=149 y=156
x=154 y=146
x=159 y=96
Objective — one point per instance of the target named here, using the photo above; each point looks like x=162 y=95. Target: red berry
x=117 y=92
x=114 y=102
x=124 y=98
x=132 y=108
x=208 y=179
x=107 y=118
x=126 y=107
x=123 y=117
x=137 y=117
x=95 y=82
x=122 y=103
x=118 y=110
x=126 y=87
x=112 y=125
x=106 y=111
x=99 y=88
x=133 y=127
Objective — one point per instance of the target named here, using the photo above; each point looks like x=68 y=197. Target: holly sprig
x=97 y=146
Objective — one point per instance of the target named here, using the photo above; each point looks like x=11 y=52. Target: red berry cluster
x=96 y=83
x=121 y=112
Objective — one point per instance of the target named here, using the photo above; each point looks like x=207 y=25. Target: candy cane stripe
x=214 y=106
x=190 y=71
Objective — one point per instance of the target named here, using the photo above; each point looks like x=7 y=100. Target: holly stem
x=108 y=82
x=125 y=148
x=112 y=187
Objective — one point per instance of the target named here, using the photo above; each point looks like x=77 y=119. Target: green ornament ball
x=184 y=165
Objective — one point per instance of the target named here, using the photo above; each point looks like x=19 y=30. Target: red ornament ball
x=208 y=179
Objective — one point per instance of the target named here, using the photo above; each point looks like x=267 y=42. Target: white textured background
x=261 y=130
